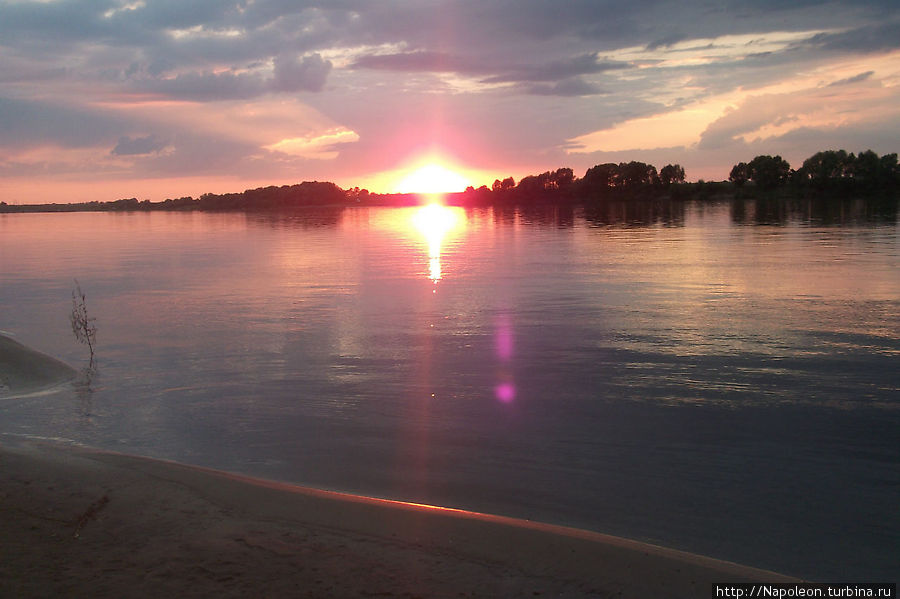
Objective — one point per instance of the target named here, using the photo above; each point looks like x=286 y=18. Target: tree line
x=830 y=172
x=624 y=177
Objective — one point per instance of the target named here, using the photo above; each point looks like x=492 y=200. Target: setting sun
x=432 y=178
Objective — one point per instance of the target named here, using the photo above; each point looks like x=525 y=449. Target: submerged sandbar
x=24 y=371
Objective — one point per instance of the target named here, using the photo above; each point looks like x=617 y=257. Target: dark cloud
x=870 y=38
x=177 y=14
x=206 y=86
x=291 y=74
x=26 y=73
x=52 y=22
x=558 y=70
x=574 y=86
x=560 y=77
x=203 y=153
x=26 y=124
x=854 y=79
x=133 y=146
x=667 y=41
x=421 y=60
x=300 y=74
x=505 y=41
x=443 y=25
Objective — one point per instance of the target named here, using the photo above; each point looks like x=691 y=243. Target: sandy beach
x=79 y=522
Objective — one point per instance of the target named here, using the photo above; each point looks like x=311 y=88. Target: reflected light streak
x=504 y=338
x=505 y=390
x=434 y=222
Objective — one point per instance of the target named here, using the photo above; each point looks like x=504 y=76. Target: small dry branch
x=82 y=324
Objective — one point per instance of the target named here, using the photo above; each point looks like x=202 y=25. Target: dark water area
x=716 y=377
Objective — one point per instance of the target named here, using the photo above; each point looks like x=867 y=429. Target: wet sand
x=77 y=522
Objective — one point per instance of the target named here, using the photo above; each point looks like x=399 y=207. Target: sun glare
x=432 y=178
x=434 y=222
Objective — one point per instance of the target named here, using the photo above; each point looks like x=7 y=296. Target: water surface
x=714 y=377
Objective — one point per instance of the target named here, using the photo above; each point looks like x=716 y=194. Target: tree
x=740 y=174
x=546 y=181
x=866 y=166
x=671 y=173
x=83 y=325
x=531 y=185
x=827 y=166
x=769 y=172
x=889 y=165
x=563 y=177
x=873 y=172
x=600 y=177
x=637 y=173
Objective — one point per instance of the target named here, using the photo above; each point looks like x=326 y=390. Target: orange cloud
x=858 y=90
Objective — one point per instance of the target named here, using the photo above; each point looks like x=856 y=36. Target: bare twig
x=82 y=325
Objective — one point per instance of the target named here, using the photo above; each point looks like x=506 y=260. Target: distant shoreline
x=832 y=175
x=327 y=195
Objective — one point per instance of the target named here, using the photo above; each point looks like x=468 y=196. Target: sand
x=79 y=522
x=82 y=523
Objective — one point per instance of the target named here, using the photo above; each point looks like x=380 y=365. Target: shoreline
x=81 y=521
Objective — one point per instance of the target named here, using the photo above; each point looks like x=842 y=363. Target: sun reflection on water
x=434 y=222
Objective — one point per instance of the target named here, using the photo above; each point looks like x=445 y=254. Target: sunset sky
x=106 y=99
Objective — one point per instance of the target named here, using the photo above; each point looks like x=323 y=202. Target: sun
x=432 y=178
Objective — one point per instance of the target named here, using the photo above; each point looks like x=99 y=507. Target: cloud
x=318 y=146
x=279 y=86
x=667 y=41
x=290 y=74
x=25 y=124
x=294 y=74
x=419 y=60
x=574 y=86
x=822 y=99
x=442 y=62
x=854 y=79
x=174 y=14
x=869 y=38
x=132 y=146
x=555 y=78
x=855 y=101
x=665 y=130
x=262 y=139
x=206 y=86
x=558 y=70
x=751 y=116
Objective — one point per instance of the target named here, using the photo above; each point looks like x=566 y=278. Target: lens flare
x=505 y=392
